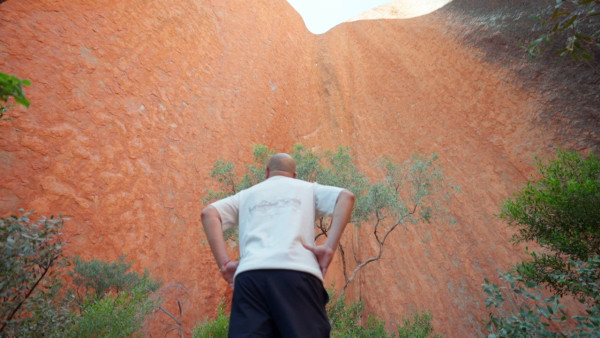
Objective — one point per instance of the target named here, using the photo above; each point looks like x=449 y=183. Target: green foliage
x=118 y=314
x=31 y=255
x=420 y=327
x=347 y=320
x=575 y=23
x=414 y=180
x=216 y=328
x=336 y=168
x=560 y=212
x=534 y=315
x=540 y=316
x=113 y=301
x=255 y=173
x=94 y=279
x=34 y=301
x=229 y=183
x=11 y=86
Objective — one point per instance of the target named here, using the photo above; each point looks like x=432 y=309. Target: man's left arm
x=341 y=216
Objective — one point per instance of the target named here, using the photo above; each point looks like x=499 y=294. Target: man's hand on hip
x=324 y=255
x=228 y=271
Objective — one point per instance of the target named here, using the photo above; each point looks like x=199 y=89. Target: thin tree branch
x=16 y=309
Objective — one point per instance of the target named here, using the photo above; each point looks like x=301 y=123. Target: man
x=279 y=278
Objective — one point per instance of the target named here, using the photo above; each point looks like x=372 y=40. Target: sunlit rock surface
x=133 y=101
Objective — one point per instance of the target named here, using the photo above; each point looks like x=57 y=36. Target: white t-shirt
x=275 y=217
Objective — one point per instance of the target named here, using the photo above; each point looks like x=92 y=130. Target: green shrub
x=420 y=327
x=560 y=212
x=537 y=313
x=114 y=315
x=95 y=278
x=113 y=302
x=35 y=302
x=216 y=328
x=347 y=320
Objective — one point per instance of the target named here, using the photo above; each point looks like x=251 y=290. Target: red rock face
x=133 y=101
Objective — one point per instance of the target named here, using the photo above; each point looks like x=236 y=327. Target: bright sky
x=321 y=15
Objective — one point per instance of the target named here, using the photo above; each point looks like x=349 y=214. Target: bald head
x=281 y=164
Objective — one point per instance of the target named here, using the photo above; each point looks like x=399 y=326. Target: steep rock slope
x=133 y=101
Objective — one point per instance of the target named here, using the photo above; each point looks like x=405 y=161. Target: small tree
x=409 y=193
x=179 y=294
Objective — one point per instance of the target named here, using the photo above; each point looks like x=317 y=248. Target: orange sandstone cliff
x=133 y=101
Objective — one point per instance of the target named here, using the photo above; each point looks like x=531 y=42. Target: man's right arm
x=211 y=220
x=341 y=216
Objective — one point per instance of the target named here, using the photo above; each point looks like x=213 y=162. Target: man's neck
x=280 y=173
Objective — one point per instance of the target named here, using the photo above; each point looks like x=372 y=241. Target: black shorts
x=278 y=303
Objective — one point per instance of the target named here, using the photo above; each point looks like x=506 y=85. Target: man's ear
x=267 y=172
x=295 y=175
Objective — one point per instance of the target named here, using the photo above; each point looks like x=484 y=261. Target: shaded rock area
x=569 y=88
x=133 y=101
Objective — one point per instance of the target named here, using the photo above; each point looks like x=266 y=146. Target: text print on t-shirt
x=272 y=206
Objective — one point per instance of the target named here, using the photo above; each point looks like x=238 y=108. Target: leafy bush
x=539 y=315
x=35 y=301
x=114 y=315
x=94 y=279
x=420 y=327
x=346 y=320
x=11 y=86
x=112 y=301
x=559 y=211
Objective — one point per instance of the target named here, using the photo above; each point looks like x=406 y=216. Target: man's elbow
x=207 y=213
x=348 y=196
